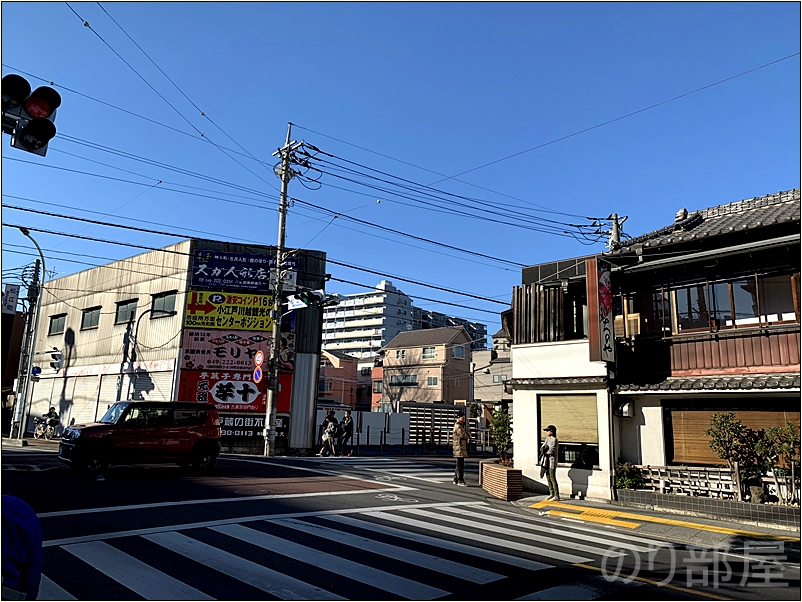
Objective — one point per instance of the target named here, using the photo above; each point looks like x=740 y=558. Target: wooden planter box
x=501 y=481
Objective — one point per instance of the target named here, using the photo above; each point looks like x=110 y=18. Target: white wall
x=376 y=421
x=593 y=484
x=554 y=360
x=642 y=438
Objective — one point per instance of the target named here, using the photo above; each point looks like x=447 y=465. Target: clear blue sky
x=446 y=86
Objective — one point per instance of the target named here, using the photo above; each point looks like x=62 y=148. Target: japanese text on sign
x=241 y=271
x=223 y=350
x=230 y=311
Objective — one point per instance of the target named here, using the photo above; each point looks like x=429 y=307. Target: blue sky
x=447 y=87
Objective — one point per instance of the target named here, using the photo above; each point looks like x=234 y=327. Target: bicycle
x=44 y=428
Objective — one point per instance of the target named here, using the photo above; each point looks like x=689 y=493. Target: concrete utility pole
x=285 y=173
x=26 y=363
x=615 y=232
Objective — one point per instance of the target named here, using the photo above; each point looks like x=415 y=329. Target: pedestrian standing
x=460 y=445
x=551 y=448
x=22 y=550
x=347 y=429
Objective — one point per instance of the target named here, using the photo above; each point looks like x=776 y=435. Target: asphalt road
x=376 y=528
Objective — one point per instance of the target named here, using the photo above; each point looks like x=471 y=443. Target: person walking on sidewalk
x=347 y=430
x=460 y=444
x=551 y=447
x=329 y=428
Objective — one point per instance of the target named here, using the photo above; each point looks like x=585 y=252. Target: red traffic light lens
x=37 y=107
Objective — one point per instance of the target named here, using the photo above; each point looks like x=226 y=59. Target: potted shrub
x=502 y=434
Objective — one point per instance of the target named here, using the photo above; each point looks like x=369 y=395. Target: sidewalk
x=674 y=527
x=31 y=443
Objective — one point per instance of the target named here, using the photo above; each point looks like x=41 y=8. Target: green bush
x=501 y=431
x=628 y=476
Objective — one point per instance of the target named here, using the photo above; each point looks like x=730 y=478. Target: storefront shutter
x=84 y=401
x=574 y=416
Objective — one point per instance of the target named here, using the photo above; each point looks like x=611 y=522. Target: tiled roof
x=740 y=216
x=500 y=334
x=545 y=382
x=428 y=336
x=763 y=382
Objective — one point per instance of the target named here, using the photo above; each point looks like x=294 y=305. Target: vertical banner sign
x=605 y=292
x=10 y=297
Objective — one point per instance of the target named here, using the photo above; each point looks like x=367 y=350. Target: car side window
x=189 y=417
x=160 y=417
x=137 y=416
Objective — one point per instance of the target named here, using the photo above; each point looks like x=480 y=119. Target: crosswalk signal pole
x=285 y=173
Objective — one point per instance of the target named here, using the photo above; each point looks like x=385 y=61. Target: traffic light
x=29 y=117
x=58 y=360
x=305 y=298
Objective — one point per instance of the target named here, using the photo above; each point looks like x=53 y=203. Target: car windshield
x=113 y=414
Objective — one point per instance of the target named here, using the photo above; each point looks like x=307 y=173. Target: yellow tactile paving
x=613 y=517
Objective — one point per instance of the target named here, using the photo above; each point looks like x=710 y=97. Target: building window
x=431 y=381
x=126 y=311
x=503 y=378
x=400 y=354
x=692 y=309
x=496 y=378
x=576 y=419
x=429 y=353
x=90 y=318
x=57 y=324
x=459 y=352
x=404 y=380
x=378 y=386
x=325 y=386
x=456 y=382
x=366 y=371
x=163 y=304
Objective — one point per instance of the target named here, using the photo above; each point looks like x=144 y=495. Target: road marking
x=548 y=540
x=446 y=544
x=611 y=517
x=463 y=534
x=134 y=574
x=658 y=584
x=231 y=521
x=50 y=590
x=270 y=581
x=386 y=550
x=401 y=586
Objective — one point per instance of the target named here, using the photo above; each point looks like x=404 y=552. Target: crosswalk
x=394 y=469
x=415 y=551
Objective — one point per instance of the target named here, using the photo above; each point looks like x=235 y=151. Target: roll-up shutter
x=84 y=401
x=149 y=386
x=574 y=416
x=40 y=398
x=108 y=394
x=691 y=446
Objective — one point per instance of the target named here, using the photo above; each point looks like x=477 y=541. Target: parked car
x=132 y=432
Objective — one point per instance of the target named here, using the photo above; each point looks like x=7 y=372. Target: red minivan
x=140 y=432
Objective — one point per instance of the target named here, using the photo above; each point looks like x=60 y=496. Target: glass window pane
x=692 y=308
x=744 y=296
x=720 y=304
x=776 y=299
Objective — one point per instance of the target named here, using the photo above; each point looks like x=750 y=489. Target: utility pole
x=615 y=232
x=285 y=173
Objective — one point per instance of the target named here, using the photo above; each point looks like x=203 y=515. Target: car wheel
x=204 y=461
x=96 y=463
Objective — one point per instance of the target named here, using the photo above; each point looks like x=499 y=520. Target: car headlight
x=71 y=434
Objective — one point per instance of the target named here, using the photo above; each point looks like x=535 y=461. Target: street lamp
x=21 y=421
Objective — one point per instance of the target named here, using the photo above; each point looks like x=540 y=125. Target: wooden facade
x=537 y=313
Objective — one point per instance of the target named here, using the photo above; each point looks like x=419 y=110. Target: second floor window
x=400 y=354
x=90 y=318
x=366 y=371
x=57 y=324
x=404 y=380
x=378 y=386
x=126 y=312
x=162 y=304
x=459 y=352
x=429 y=353
x=431 y=381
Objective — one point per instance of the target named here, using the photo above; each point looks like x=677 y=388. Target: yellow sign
x=229 y=311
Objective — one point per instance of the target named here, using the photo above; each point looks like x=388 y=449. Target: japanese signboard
x=286 y=352
x=605 y=292
x=229 y=311
x=241 y=271
x=10 y=297
x=233 y=426
x=223 y=349
x=231 y=390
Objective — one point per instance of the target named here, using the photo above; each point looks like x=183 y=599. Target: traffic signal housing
x=58 y=360
x=29 y=117
x=306 y=298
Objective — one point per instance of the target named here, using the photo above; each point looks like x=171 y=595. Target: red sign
x=257 y=374
x=233 y=391
x=223 y=350
x=258 y=358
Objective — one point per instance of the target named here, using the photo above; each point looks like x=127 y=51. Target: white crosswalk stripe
x=465 y=546
x=401 y=468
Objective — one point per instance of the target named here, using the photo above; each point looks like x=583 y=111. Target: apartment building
x=426 y=366
x=365 y=322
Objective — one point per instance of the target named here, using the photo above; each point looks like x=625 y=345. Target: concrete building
x=182 y=323
x=426 y=366
x=365 y=322
x=338 y=379
x=492 y=370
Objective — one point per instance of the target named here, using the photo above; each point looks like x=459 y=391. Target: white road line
x=134 y=574
x=273 y=582
x=465 y=534
x=445 y=544
x=386 y=550
x=582 y=527
x=561 y=533
x=383 y=580
x=230 y=521
x=50 y=590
